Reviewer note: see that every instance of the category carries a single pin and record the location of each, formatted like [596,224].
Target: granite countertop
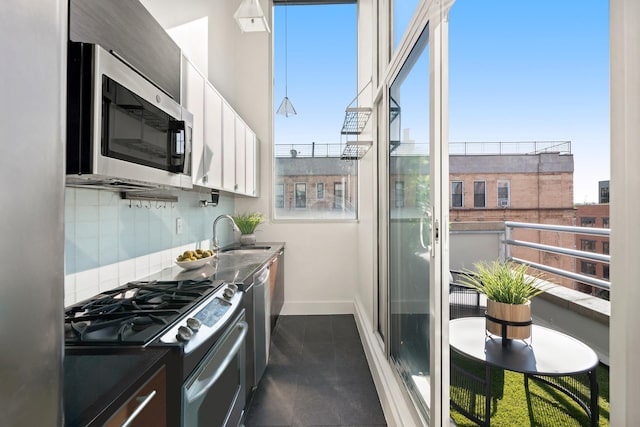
[227,266]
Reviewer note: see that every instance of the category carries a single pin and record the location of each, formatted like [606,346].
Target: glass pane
[402,12]
[307,146]
[409,251]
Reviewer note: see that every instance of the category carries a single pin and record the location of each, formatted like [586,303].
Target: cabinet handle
[144,401]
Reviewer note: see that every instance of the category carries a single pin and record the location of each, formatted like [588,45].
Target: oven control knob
[193,324]
[184,334]
[228,293]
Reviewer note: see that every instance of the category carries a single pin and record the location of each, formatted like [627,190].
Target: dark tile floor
[317,376]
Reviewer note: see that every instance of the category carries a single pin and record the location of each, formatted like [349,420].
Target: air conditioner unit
[503,203]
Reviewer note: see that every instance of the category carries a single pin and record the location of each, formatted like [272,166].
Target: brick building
[533,188]
[593,216]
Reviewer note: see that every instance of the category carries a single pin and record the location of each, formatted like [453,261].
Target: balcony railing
[579,254]
[504,148]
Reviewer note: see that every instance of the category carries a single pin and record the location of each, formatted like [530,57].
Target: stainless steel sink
[246,250]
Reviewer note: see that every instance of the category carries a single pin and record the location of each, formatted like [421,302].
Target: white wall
[625,233]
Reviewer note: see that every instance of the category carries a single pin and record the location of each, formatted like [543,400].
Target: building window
[605,271]
[588,221]
[338,195]
[605,222]
[587,267]
[457,194]
[320,191]
[479,194]
[301,194]
[588,245]
[605,248]
[504,193]
[604,194]
[279,195]
[399,194]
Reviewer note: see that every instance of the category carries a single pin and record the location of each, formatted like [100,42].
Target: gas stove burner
[135,312]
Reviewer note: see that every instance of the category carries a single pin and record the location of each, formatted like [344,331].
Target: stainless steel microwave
[123,132]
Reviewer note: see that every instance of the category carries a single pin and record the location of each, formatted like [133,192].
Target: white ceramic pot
[247,239]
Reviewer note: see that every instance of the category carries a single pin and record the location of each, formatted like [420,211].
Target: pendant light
[286,107]
[250,17]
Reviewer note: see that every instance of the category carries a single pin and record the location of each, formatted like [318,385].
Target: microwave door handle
[188,134]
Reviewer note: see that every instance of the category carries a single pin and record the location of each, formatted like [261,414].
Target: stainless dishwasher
[256,303]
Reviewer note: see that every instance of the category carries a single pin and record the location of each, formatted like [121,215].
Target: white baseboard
[396,405]
[293,308]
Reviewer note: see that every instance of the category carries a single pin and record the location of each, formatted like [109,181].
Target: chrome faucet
[216,245]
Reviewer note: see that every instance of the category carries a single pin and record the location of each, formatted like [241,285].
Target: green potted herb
[509,289]
[247,223]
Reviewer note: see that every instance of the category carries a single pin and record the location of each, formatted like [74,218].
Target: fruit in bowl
[194,259]
[194,255]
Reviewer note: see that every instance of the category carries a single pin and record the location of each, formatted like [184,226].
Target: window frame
[320,190]
[335,191]
[584,266]
[508,198]
[591,223]
[586,243]
[453,206]
[295,195]
[475,195]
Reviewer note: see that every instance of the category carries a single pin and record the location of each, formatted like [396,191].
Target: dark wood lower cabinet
[146,407]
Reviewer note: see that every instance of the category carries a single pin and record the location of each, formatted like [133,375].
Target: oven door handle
[197,390]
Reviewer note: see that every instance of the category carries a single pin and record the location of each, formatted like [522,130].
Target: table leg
[595,409]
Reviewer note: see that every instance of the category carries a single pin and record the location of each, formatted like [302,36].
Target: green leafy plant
[247,222]
[505,282]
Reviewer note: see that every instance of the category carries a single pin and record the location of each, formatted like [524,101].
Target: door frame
[434,14]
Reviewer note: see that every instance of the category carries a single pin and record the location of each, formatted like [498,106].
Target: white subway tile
[108,284]
[87,282]
[126,271]
[142,266]
[69,290]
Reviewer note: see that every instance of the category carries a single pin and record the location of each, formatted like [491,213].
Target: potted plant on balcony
[509,290]
[247,223]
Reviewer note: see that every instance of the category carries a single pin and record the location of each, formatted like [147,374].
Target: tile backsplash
[110,241]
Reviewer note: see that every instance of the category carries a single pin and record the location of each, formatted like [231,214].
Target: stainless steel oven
[121,127]
[202,324]
[214,395]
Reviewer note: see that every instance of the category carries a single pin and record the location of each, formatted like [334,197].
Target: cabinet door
[251,163]
[228,148]
[212,153]
[193,100]
[241,134]
[149,401]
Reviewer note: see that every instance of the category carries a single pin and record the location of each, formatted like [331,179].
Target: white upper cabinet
[241,132]
[228,148]
[212,153]
[224,147]
[251,171]
[193,100]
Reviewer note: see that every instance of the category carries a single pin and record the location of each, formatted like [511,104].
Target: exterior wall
[600,244]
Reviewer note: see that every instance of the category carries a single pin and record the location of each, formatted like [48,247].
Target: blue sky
[534,70]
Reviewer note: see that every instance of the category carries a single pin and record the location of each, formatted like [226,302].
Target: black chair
[464,301]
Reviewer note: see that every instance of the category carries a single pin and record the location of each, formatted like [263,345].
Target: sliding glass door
[410,223]
[413,313]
